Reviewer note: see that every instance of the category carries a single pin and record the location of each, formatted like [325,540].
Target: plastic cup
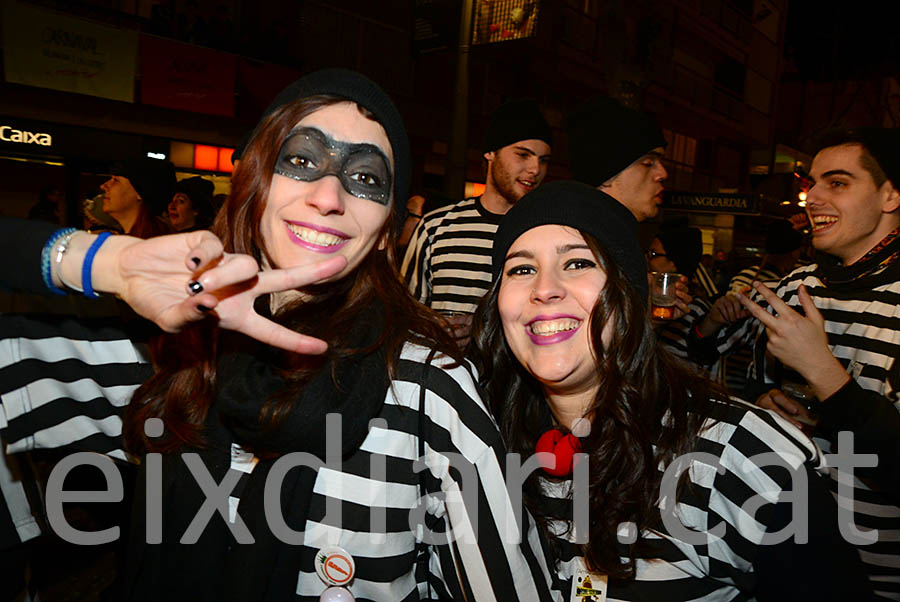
[662,294]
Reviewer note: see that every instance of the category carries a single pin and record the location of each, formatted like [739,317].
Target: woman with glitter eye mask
[322,355]
[364,171]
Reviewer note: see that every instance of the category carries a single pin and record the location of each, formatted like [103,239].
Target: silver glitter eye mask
[363,169]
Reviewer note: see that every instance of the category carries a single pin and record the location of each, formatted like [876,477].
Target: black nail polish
[195,287]
[203,308]
[195,261]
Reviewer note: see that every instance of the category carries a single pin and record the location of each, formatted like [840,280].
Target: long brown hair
[639,416]
[183,386]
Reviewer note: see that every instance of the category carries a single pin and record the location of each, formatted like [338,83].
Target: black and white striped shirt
[716,568]
[66,382]
[863,328]
[706,282]
[448,262]
[738,362]
[742,281]
[376,488]
[56,394]
[673,334]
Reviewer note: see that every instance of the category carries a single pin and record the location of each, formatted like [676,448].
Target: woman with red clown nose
[690,493]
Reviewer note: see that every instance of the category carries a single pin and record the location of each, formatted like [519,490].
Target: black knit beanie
[684,246]
[573,204]
[782,237]
[605,137]
[153,179]
[514,121]
[363,91]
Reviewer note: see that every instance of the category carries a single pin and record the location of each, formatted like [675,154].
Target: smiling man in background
[834,326]
[447,265]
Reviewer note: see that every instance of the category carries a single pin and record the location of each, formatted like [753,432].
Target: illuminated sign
[713,202]
[10,134]
[153,155]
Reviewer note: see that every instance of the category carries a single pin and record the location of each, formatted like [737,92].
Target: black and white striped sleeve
[496,550]
[66,384]
[416,263]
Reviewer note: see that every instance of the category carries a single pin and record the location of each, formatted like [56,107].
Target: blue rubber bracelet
[47,261]
[88,289]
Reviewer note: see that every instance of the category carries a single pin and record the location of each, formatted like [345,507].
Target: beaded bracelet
[61,247]
[86,284]
[46,253]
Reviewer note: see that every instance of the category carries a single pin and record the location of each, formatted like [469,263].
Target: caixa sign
[10,134]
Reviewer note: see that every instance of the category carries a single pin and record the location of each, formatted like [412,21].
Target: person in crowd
[315,202]
[566,354]
[192,205]
[414,212]
[783,248]
[93,217]
[137,193]
[722,269]
[446,264]
[627,166]
[416,207]
[835,330]
[678,249]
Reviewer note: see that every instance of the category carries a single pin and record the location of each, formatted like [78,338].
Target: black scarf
[217,567]
[869,271]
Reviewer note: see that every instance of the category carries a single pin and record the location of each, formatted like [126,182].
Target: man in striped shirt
[784,245]
[447,265]
[836,324]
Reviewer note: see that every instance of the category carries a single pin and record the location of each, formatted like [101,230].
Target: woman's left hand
[154,277]
[799,341]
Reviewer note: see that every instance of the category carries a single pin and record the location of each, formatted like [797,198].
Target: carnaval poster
[502,20]
[50,50]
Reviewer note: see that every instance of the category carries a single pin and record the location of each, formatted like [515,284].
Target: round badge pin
[335,566]
[336,594]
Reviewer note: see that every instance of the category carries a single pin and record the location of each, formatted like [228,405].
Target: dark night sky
[850,39]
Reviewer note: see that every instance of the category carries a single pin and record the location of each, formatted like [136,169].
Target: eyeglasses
[651,255]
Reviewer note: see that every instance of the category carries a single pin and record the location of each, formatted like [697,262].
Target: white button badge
[335,566]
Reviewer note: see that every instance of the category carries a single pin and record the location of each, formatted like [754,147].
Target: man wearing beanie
[840,334]
[447,265]
[618,150]
[137,193]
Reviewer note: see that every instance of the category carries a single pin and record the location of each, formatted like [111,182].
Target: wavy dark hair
[645,412]
[183,387]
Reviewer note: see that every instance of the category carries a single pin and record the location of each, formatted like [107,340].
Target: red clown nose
[563,446]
